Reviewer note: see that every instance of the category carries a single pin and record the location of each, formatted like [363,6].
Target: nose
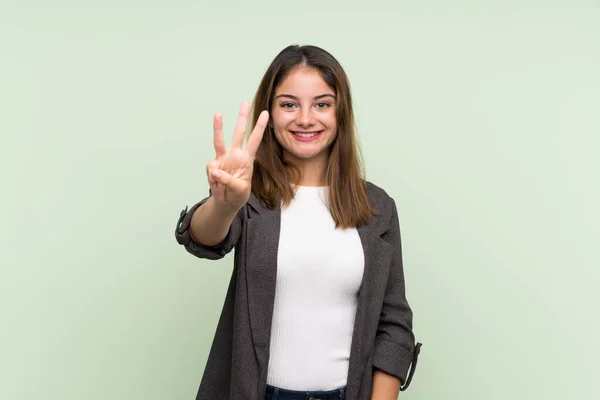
[305,117]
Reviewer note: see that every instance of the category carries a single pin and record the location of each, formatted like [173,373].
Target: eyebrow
[297,99]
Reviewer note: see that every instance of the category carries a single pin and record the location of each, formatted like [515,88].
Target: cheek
[280,129]
[280,120]
[332,122]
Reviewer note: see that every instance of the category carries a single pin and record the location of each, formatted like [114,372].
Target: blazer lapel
[378,257]
[263,226]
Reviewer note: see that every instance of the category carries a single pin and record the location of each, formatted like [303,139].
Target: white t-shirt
[319,272]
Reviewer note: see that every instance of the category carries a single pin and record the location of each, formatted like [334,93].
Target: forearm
[210,223]
[385,386]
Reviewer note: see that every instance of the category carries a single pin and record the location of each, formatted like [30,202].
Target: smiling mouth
[306,134]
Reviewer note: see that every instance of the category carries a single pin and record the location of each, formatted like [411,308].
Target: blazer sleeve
[395,350]
[184,235]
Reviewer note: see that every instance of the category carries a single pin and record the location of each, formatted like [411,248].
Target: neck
[312,171]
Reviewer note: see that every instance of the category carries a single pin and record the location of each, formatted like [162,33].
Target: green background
[481,120]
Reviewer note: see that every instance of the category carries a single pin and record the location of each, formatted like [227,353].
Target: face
[304,116]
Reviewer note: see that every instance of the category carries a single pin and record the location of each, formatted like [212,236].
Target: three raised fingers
[240,128]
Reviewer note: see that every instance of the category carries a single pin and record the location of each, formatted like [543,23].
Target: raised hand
[230,173]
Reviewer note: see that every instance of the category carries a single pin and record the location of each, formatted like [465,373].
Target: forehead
[303,81]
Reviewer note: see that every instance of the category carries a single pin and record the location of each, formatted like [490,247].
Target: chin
[304,155]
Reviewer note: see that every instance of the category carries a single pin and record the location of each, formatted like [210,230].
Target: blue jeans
[275,393]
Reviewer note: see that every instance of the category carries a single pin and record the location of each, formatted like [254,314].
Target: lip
[306,139]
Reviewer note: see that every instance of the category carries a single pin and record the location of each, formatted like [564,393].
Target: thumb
[225,179]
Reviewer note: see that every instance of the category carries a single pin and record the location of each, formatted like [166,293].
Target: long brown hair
[348,201]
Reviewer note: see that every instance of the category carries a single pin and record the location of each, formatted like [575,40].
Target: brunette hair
[348,201]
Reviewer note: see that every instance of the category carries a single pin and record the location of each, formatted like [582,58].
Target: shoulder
[380,199]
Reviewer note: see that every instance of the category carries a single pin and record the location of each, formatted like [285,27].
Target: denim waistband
[275,393]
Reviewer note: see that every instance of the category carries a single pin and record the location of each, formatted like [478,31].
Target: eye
[288,105]
[322,106]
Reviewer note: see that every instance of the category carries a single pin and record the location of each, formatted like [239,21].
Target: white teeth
[306,135]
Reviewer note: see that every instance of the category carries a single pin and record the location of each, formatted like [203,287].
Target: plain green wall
[481,120]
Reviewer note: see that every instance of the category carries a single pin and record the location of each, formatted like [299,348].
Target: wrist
[221,209]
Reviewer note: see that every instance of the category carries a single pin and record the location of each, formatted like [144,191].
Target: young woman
[316,306]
